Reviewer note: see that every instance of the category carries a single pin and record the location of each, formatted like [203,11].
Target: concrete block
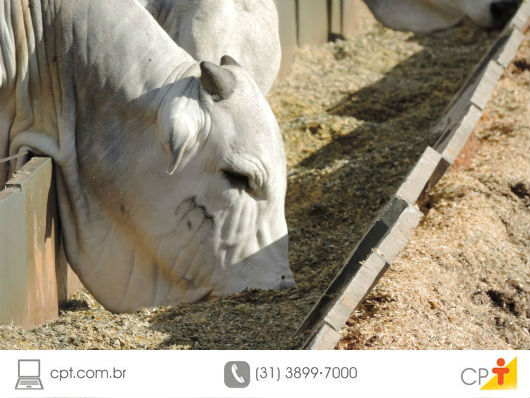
[360,285]
[338,315]
[448,124]
[326,339]
[408,221]
[416,181]
[520,19]
[392,211]
[398,236]
[392,244]
[488,81]
[508,51]
[461,134]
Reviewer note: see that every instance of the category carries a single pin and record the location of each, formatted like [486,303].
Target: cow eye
[238,180]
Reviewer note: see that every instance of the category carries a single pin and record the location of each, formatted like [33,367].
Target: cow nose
[286,283]
[501,11]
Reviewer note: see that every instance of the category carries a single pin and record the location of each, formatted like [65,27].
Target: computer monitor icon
[29,375]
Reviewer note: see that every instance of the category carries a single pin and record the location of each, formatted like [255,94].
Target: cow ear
[176,146]
[228,60]
[217,81]
[178,131]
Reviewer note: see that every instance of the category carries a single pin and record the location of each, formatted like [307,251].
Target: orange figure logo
[500,371]
[505,377]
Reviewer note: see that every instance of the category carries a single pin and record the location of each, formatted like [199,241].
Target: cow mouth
[226,253]
[502,11]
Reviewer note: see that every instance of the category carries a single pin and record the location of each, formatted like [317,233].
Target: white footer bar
[264,374]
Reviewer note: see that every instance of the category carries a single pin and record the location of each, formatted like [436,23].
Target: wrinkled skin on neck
[115,114]
[428,16]
[247,30]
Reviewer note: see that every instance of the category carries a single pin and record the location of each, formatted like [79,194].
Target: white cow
[102,89]
[427,16]
[247,30]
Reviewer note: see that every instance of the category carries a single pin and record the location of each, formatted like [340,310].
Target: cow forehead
[242,142]
[253,135]
[245,119]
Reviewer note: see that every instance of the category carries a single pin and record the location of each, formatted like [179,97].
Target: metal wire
[19,155]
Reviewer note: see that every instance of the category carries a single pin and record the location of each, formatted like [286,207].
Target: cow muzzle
[502,11]
[268,268]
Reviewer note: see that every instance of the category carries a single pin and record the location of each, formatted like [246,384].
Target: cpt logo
[504,377]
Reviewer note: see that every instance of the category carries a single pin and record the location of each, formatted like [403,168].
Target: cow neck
[31,84]
[77,76]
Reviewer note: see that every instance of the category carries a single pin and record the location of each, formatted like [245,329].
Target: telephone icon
[237,374]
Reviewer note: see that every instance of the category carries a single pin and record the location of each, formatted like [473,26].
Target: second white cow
[428,16]
[247,30]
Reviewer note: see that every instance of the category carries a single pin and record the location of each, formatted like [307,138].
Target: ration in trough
[461,282]
[354,116]
[375,252]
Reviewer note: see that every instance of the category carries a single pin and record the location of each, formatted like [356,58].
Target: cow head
[491,13]
[228,175]
[427,16]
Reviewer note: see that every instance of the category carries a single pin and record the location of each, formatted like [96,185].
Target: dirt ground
[355,116]
[463,280]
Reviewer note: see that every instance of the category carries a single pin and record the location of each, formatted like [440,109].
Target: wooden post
[353,12]
[312,22]
[289,43]
[32,282]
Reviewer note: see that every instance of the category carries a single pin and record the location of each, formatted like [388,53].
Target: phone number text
[273,373]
